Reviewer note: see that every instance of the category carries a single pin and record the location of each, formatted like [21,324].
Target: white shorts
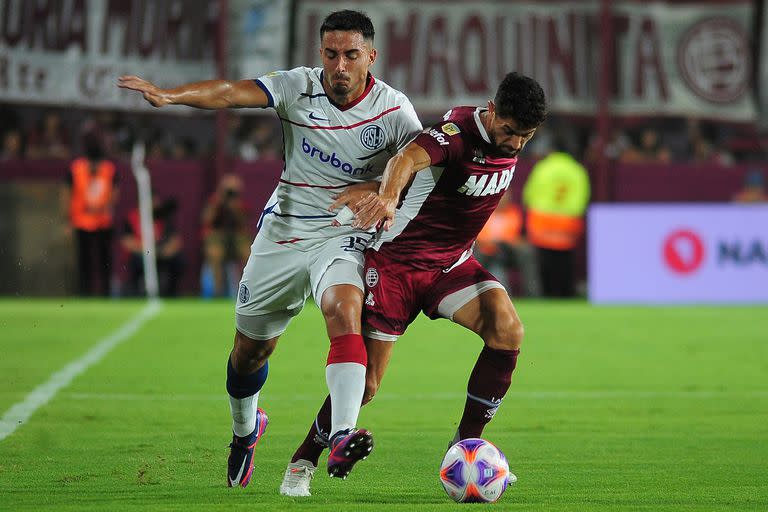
[278,278]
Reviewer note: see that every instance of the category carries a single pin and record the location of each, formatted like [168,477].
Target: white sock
[243,414]
[346,382]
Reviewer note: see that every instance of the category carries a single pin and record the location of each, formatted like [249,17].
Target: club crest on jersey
[371,277]
[372,136]
[244,294]
[481,185]
[450,129]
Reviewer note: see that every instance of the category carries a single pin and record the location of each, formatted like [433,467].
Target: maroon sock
[488,384]
[317,437]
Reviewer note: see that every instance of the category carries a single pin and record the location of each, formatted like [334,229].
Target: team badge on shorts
[371,277]
[243,294]
[372,136]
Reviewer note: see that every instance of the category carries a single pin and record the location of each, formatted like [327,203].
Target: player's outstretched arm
[209,94]
[380,208]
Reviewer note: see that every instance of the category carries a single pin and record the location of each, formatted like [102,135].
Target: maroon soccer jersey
[448,204]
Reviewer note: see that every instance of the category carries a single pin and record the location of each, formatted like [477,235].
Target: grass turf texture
[612,408]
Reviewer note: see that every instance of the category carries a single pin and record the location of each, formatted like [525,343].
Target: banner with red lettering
[72,51]
[671,58]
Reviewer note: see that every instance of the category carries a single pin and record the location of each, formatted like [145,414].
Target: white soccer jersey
[327,148]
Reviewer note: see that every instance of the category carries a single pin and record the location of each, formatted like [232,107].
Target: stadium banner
[259,37]
[687,58]
[677,253]
[72,51]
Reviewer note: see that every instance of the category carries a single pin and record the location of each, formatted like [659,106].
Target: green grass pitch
[611,408]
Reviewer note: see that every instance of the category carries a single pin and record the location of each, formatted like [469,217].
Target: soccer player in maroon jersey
[422,258]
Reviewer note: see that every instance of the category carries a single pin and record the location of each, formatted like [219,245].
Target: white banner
[72,51]
[677,253]
[690,58]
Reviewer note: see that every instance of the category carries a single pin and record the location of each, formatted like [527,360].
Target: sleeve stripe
[266,91]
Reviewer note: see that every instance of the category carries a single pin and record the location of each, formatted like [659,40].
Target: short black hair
[521,98]
[348,21]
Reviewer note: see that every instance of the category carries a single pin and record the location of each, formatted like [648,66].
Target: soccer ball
[475,471]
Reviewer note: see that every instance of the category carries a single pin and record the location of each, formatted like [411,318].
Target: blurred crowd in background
[53,133]
[509,245]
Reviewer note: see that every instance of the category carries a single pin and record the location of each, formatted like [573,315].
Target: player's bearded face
[507,138]
[347,56]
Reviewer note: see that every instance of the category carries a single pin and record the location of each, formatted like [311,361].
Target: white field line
[20,412]
[530,395]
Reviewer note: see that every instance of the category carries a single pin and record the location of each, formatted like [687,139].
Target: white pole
[144,188]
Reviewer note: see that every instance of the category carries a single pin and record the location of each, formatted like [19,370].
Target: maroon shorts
[396,291]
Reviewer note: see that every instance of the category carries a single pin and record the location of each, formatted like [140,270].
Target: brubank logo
[333,160]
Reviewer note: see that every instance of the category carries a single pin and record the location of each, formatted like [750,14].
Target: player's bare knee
[505,332]
[344,314]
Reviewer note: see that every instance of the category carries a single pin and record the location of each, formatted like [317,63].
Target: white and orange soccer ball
[475,471]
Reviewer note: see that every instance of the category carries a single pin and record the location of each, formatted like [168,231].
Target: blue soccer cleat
[347,448]
[240,462]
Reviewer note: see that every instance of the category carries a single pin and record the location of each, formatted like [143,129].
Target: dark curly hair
[346,20]
[521,98]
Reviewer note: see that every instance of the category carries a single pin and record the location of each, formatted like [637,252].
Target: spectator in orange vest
[89,200]
[500,247]
[168,244]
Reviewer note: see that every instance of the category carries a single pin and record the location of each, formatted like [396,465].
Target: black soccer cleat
[240,462]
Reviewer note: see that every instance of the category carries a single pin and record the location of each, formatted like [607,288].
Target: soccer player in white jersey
[340,127]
